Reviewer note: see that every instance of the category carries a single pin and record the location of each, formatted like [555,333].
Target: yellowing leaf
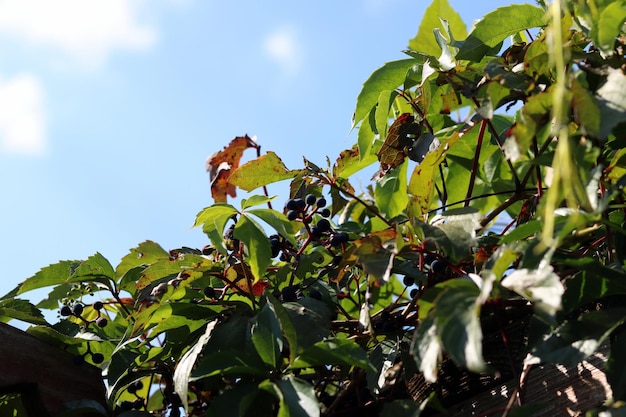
[221,164]
[266,169]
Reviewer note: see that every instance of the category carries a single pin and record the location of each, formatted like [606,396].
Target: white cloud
[22,116]
[282,46]
[86,30]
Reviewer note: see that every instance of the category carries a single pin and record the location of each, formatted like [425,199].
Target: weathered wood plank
[28,361]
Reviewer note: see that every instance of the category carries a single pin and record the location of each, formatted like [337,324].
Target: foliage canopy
[499,193]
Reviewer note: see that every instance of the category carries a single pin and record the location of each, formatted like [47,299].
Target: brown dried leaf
[399,140]
[221,164]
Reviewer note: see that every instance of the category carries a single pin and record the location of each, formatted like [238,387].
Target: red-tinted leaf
[221,164]
[398,141]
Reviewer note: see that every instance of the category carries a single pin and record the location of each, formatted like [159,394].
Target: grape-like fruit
[300,204]
[78,308]
[101,322]
[310,199]
[292,215]
[126,405]
[98,305]
[437,266]
[97,357]
[321,202]
[66,311]
[339,238]
[323,225]
[209,292]
[291,205]
[413,293]
[316,232]
[289,294]
[408,280]
[325,212]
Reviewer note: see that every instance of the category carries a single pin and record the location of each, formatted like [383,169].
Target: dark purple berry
[138,385]
[323,225]
[209,292]
[98,305]
[310,199]
[289,294]
[413,293]
[316,232]
[300,204]
[408,280]
[97,357]
[101,322]
[437,266]
[126,405]
[66,311]
[78,308]
[292,215]
[321,202]
[138,403]
[325,212]
[131,388]
[291,205]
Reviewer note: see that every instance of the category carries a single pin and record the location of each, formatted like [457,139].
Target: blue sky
[109,108]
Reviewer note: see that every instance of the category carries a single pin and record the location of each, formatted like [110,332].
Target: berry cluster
[96,357]
[77,311]
[304,210]
[138,403]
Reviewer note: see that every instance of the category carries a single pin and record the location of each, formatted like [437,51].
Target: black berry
[437,266]
[126,405]
[289,294]
[101,322]
[78,308]
[316,232]
[310,199]
[292,215]
[325,212]
[300,204]
[97,357]
[66,311]
[408,280]
[291,205]
[323,225]
[413,293]
[321,202]
[98,305]
[339,238]
[209,292]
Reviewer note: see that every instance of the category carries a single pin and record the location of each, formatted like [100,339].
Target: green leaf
[390,192]
[311,320]
[612,101]
[248,231]
[146,253]
[278,221]
[255,200]
[616,367]
[366,135]
[427,348]
[266,169]
[457,320]
[496,26]
[388,77]
[20,310]
[381,115]
[213,220]
[425,40]
[183,370]
[541,286]
[575,340]
[267,336]
[586,110]
[609,26]
[228,363]
[333,351]
[54,274]
[593,282]
[299,397]
[287,326]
